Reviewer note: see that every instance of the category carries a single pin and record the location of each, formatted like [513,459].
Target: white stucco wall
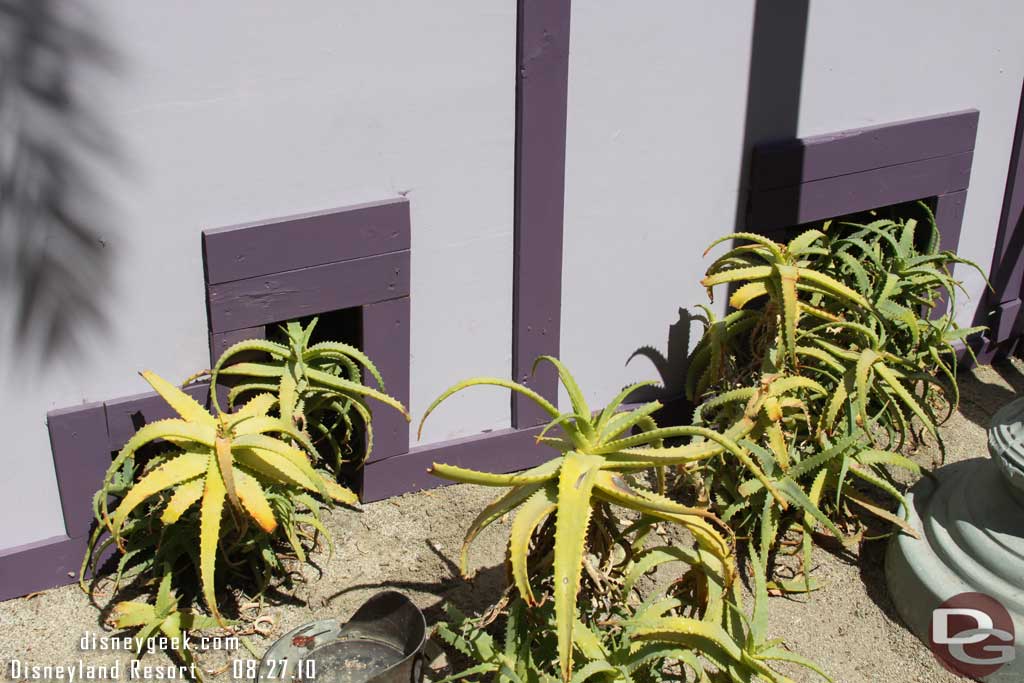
[657,104]
[230,112]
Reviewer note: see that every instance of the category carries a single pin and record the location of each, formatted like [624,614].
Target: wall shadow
[774,80]
[54,260]
[773,99]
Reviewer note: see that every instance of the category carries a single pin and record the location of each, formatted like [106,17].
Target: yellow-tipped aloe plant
[779,272]
[597,454]
[849,306]
[224,462]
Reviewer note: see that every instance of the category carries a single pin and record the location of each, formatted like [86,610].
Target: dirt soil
[412,543]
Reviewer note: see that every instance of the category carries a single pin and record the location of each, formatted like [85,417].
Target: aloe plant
[226,462]
[849,306]
[596,458]
[318,386]
[664,637]
[163,616]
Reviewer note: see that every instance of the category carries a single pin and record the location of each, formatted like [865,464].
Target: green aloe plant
[163,616]
[318,386]
[664,637]
[851,307]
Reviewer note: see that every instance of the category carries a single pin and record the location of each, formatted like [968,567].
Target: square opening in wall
[896,212]
[344,325]
[338,438]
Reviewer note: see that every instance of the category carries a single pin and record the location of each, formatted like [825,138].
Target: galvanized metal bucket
[381,643]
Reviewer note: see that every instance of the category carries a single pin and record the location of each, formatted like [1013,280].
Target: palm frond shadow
[54,259]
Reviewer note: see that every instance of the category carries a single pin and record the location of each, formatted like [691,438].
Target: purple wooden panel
[949,217]
[792,162]
[81,455]
[820,199]
[40,565]
[272,246]
[1007,273]
[386,341]
[542,76]
[506,450]
[126,415]
[307,291]
[220,341]
[1006,322]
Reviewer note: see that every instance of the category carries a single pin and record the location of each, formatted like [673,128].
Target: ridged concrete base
[971,521]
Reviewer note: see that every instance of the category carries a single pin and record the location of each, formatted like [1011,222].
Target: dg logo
[972,634]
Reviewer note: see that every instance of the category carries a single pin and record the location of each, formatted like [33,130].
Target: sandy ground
[411,544]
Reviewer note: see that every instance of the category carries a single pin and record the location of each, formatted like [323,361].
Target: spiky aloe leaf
[252,498]
[211,510]
[545,405]
[490,514]
[575,482]
[339,493]
[747,293]
[349,387]
[536,475]
[263,443]
[531,513]
[788,277]
[185,496]
[183,404]
[176,471]
[129,613]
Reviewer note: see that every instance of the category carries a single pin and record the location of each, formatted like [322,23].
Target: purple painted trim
[311,239]
[949,218]
[308,291]
[221,341]
[79,443]
[127,415]
[1006,322]
[499,451]
[386,340]
[542,79]
[829,197]
[349,260]
[793,162]
[43,564]
[1007,271]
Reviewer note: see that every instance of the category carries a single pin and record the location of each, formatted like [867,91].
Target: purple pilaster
[542,79]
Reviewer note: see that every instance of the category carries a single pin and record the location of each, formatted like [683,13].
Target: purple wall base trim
[81,439]
[1006,322]
[505,450]
[81,454]
[37,566]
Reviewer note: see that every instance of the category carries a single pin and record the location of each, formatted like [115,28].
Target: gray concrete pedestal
[971,522]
